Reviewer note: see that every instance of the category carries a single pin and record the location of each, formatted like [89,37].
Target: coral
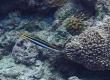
[73,25]
[106,4]
[91,48]
[99,10]
[41,70]
[103,6]
[72,9]
[24,52]
[55,3]
[64,11]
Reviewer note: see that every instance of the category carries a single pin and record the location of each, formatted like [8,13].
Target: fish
[41,42]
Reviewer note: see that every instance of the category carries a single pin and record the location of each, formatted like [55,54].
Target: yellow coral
[73,25]
[55,3]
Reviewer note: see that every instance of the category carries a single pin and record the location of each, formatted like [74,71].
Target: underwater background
[54,39]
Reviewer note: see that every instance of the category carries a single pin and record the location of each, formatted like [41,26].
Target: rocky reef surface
[81,28]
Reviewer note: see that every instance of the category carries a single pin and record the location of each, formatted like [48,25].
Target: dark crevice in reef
[69,68]
[88,5]
[25,7]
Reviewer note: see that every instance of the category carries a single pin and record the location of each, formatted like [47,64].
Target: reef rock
[25,6]
[55,3]
[64,11]
[106,4]
[88,4]
[24,52]
[74,78]
[8,39]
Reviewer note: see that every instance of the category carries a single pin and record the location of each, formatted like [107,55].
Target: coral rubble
[24,52]
[39,71]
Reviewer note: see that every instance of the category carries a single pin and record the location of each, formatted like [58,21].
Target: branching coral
[73,25]
[92,47]
[55,3]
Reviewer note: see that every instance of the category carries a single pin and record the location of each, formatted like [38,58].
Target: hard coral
[92,48]
[73,25]
[55,3]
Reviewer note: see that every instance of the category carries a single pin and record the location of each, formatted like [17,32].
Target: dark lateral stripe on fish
[40,42]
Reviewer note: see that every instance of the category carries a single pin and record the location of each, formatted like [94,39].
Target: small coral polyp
[55,3]
[73,25]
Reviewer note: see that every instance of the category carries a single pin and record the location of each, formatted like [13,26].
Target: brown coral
[92,48]
[73,25]
[55,3]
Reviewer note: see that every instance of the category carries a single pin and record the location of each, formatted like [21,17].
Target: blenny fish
[41,42]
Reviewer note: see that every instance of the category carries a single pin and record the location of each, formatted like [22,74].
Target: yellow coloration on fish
[41,42]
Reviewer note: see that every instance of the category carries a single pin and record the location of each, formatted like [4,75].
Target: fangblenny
[41,42]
